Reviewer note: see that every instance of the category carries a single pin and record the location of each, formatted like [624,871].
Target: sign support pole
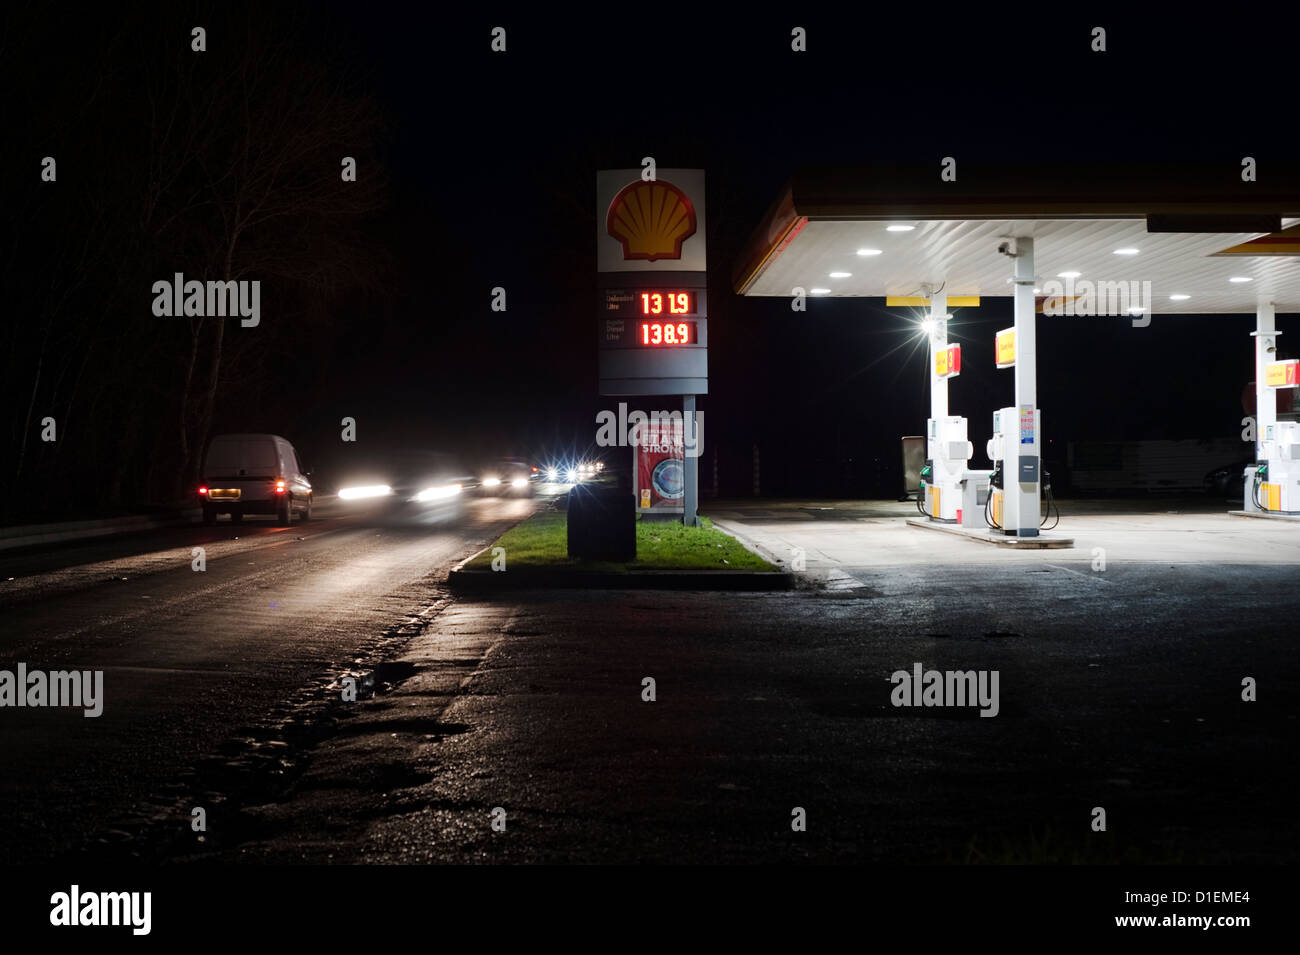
[690,461]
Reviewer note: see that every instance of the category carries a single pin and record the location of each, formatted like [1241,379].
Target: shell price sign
[1282,374]
[652,298]
[1004,348]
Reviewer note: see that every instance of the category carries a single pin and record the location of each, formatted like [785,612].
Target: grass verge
[541,542]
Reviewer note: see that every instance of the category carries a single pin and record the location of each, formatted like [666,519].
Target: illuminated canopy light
[840,275]
[1240,278]
[927,325]
[1179,297]
[1126,251]
[820,291]
[1068,275]
[372,490]
[866,252]
[899,228]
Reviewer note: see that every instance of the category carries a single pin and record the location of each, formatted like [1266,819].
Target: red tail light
[279,487]
[203,490]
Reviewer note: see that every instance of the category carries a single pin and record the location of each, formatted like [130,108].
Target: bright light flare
[370,490]
[927,325]
[491,482]
[438,493]
[519,482]
[552,474]
[571,475]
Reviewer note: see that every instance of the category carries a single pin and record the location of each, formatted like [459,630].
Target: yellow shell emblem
[651,220]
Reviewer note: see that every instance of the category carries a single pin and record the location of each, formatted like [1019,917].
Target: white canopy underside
[962,256]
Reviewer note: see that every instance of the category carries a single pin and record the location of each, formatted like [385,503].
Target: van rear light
[279,487]
[203,490]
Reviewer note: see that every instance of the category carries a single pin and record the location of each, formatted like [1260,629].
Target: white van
[253,474]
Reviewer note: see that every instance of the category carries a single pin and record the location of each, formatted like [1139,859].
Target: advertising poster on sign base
[659,467]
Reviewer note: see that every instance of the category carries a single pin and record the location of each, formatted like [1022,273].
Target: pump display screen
[666,303]
[667,333]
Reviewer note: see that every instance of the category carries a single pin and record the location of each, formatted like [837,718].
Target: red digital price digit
[667,333]
[652,303]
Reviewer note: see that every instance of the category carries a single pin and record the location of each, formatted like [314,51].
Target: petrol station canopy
[1189,230]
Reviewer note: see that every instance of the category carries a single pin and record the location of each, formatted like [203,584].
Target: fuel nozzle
[995,478]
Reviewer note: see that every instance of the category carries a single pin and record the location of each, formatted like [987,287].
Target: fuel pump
[1015,460]
[947,452]
[1273,481]
[1273,485]
[997,450]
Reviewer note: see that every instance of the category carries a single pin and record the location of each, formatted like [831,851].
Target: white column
[1265,398]
[938,342]
[1022,505]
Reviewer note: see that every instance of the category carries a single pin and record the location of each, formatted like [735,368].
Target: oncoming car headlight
[371,490]
[438,493]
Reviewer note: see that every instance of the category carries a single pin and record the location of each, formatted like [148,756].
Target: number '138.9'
[655,333]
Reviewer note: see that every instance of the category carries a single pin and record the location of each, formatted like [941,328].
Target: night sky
[485,166]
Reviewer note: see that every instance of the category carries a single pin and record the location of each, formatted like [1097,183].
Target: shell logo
[651,220]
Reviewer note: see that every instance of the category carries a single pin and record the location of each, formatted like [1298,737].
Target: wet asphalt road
[191,657]
[1120,691]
